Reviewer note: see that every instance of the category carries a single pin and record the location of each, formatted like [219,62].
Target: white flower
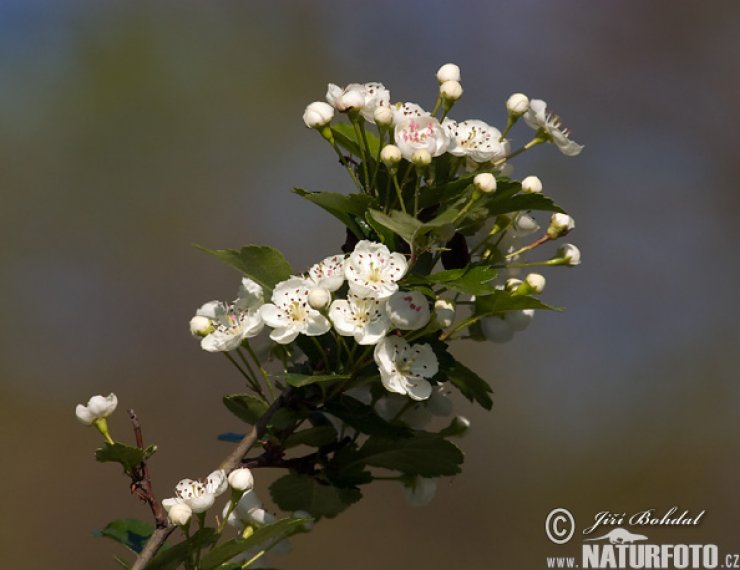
[485,182]
[390,155]
[98,407]
[531,185]
[444,312]
[517,104]
[448,72]
[421,491]
[241,479]
[363,318]
[421,133]
[560,225]
[408,310]
[475,139]
[372,270]
[328,273]
[519,320]
[376,97]
[450,90]
[536,282]
[248,503]
[261,516]
[538,118]
[350,98]
[403,111]
[496,329]
[570,253]
[319,298]
[180,514]
[405,368]
[318,114]
[289,314]
[198,495]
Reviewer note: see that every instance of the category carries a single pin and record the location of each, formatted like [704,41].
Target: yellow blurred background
[130,130]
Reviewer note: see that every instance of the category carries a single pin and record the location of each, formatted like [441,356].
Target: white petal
[251,294]
[201,504]
[417,388]
[220,341]
[373,332]
[247,503]
[316,324]
[393,382]
[84,415]
[169,503]
[273,316]
[284,335]
[425,361]
[216,482]
[214,310]
[385,352]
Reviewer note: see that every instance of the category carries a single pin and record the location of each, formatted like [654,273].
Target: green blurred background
[130,130]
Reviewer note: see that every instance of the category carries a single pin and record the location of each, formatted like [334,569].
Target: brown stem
[141,483]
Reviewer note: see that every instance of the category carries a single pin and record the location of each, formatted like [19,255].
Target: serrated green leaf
[425,455]
[362,417]
[171,558]
[387,236]
[344,470]
[342,206]
[473,280]
[299,380]
[507,202]
[303,493]
[472,386]
[132,533]
[128,457]
[246,407]
[261,263]
[403,225]
[318,436]
[501,301]
[264,538]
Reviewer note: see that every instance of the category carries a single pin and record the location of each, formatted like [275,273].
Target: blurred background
[131,130]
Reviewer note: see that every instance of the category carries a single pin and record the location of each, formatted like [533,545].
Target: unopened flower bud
[421,492]
[319,298]
[421,157]
[536,282]
[560,225]
[496,329]
[517,104]
[524,224]
[200,326]
[318,114]
[519,320]
[531,185]
[444,312]
[180,514]
[485,182]
[383,116]
[451,90]
[448,72]
[513,284]
[241,479]
[390,155]
[570,253]
[97,408]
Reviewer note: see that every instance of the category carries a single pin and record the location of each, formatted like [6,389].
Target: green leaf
[363,418]
[302,492]
[132,533]
[386,236]
[507,202]
[246,407]
[473,280]
[264,538]
[425,455]
[343,207]
[344,135]
[318,436]
[472,386]
[171,558]
[402,224]
[501,301]
[128,457]
[262,263]
[344,469]
[299,380]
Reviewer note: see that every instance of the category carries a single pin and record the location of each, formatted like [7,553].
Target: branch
[141,483]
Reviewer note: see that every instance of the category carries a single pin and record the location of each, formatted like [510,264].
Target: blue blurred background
[130,130]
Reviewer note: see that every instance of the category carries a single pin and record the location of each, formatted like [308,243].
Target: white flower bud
[448,72]
[408,310]
[444,312]
[570,253]
[519,320]
[318,114]
[536,282]
[421,157]
[517,104]
[261,516]
[97,407]
[319,298]
[451,90]
[390,155]
[513,284]
[180,514]
[560,225]
[496,329]
[200,326]
[459,427]
[485,182]
[241,479]
[383,116]
[524,224]
[531,185]
[421,492]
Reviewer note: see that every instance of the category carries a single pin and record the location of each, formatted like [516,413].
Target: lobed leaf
[295,492]
[261,263]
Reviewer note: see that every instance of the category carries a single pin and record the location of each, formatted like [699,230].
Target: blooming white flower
[496,329]
[376,97]
[289,314]
[421,491]
[485,182]
[403,111]
[372,270]
[180,514]
[390,155]
[241,479]
[319,298]
[97,408]
[405,368]
[536,282]
[408,310]
[348,98]
[444,312]
[363,318]
[198,495]
[519,320]
[450,90]
[318,114]
[517,104]
[420,133]
[560,225]
[538,119]
[476,140]
[448,72]
[328,273]
[531,185]
[570,253]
